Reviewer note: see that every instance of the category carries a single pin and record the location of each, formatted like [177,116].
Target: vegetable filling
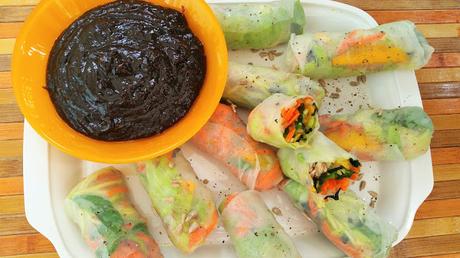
[299,120]
[333,177]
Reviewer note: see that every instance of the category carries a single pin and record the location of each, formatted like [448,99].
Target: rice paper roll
[379,134]
[252,228]
[249,85]
[324,165]
[284,121]
[185,206]
[260,25]
[109,223]
[391,46]
[347,222]
[225,138]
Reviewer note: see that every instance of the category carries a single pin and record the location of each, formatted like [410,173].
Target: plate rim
[38,203]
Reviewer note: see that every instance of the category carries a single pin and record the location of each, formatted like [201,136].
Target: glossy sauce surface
[125,70]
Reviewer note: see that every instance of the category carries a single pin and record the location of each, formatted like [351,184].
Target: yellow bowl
[49,19]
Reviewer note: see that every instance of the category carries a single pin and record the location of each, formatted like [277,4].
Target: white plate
[402,186]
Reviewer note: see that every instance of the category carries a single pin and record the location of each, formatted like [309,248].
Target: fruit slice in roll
[391,46]
[381,134]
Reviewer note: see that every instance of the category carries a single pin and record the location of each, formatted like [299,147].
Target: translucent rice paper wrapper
[260,25]
[225,138]
[223,183]
[249,85]
[253,229]
[347,222]
[108,221]
[265,122]
[390,46]
[297,163]
[379,135]
[185,205]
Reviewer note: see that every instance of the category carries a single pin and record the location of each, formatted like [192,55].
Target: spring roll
[324,165]
[249,85]
[185,206]
[108,222]
[225,138]
[379,135]
[260,25]
[284,121]
[252,228]
[391,46]
[347,222]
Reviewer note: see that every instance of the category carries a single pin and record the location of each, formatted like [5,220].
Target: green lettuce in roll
[249,85]
[347,222]
[391,46]
[260,25]
[254,231]
[381,134]
[284,121]
[185,206]
[324,165]
[108,222]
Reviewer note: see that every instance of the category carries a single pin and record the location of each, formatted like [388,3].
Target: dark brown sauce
[125,70]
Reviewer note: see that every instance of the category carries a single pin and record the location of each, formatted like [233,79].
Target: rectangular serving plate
[402,186]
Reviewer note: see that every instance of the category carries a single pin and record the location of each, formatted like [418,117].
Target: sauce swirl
[125,70]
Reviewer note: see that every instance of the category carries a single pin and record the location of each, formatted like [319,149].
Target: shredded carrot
[293,118]
[352,41]
[228,200]
[108,175]
[289,114]
[116,190]
[333,185]
[284,111]
[290,134]
[354,176]
[349,249]
[344,183]
[199,235]
[196,237]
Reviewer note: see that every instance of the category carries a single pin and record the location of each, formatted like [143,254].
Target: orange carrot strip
[199,235]
[108,176]
[289,113]
[334,238]
[116,190]
[344,184]
[221,145]
[271,176]
[293,118]
[352,41]
[290,134]
[354,176]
